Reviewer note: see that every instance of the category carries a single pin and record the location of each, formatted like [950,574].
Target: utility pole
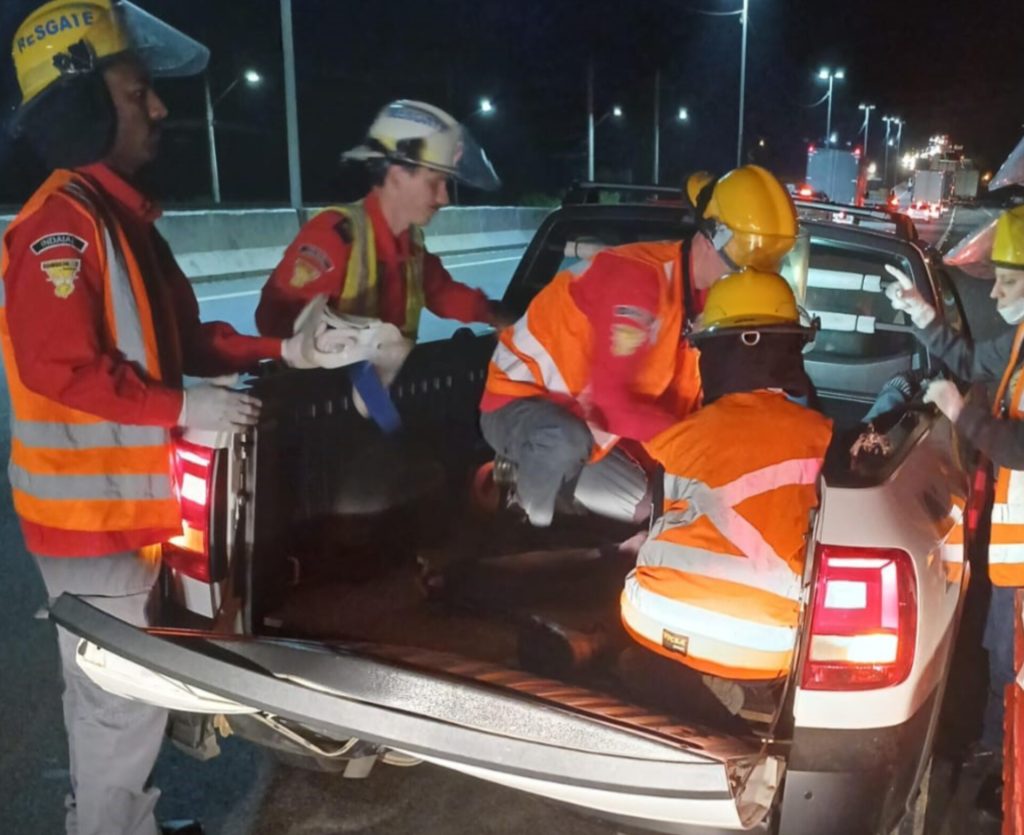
[291,110]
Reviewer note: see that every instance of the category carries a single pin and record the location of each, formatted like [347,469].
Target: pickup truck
[296,605]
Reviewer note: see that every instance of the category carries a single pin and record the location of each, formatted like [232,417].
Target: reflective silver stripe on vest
[775,577]
[695,622]
[718,503]
[85,435]
[527,344]
[91,487]
[127,321]
[512,366]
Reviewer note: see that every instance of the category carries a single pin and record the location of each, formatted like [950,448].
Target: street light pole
[211,137]
[291,108]
[825,74]
[885,169]
[899,136]
[867,108]
[657,125]
[590,120]
[743,84]
[252,78]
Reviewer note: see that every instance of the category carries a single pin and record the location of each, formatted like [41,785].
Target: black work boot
[989,799]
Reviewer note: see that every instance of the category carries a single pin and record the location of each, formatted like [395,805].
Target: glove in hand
[946,396]
[903,295]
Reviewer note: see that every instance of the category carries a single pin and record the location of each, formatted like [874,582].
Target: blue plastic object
[378,402]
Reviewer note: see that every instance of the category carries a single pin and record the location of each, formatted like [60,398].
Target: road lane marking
[942,240]
[242,293]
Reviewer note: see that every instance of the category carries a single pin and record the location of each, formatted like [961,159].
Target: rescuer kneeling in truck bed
[717,584]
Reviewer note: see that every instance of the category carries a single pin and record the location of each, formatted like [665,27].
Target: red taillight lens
[806,192]
[193,476]
[864,621]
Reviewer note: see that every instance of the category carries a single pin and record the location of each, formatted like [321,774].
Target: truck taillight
[864,620]
[193,475]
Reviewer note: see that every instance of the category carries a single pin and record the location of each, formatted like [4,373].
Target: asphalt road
[245,790]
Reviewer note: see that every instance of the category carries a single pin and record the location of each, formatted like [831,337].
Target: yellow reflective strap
[415,299]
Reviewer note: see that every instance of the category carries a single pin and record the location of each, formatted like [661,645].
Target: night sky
[957,71]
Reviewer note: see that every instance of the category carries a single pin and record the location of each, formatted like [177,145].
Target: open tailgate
[559,741]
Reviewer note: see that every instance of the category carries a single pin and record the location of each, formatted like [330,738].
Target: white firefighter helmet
[416,133]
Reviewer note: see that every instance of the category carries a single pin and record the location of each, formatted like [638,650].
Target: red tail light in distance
[864,619]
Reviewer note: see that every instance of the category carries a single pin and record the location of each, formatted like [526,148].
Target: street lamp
[616,112]
[683,115]
[486,105]
[867,108]
[253,79]
[825,74]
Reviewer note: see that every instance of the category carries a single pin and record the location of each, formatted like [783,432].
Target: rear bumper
[853,782]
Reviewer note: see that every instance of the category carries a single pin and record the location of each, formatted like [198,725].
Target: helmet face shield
[165,52]
[796,264]
[416,133]
[758,251]
[455,153]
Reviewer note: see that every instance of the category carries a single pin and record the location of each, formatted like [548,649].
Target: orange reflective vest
[547,353]
[359,293]
[70,470]
[718,584]
[1006,546]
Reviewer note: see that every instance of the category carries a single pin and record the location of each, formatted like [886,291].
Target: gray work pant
[548,445]
[112,742]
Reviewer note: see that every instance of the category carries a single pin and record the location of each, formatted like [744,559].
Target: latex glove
[946,396]
[302,349]
[347,339]
[218,408]
[903,295]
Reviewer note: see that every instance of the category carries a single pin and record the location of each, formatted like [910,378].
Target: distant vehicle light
[806,191]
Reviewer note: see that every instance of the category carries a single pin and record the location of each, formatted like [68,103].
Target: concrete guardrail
[223,244]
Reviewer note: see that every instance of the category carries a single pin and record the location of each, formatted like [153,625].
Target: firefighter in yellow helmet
[99,327]
[717,584]
[600,353]
[997,429]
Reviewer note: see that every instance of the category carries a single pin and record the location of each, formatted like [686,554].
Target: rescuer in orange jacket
[600,353]
[98,327]
[369,257]
[997,430]
[718,583]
